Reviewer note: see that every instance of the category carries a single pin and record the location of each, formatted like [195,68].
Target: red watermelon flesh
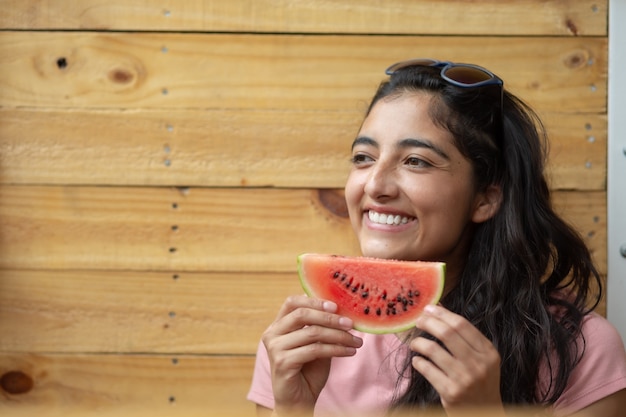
[379,295]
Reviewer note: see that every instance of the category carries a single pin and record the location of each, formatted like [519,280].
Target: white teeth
[388,219]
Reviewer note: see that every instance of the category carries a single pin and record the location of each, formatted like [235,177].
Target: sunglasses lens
[467,75]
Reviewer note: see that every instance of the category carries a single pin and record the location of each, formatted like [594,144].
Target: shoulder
[594,325]
[601,370]
[600,342]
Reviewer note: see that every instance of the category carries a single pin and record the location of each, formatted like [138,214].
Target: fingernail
[345,322]
[430,309]
[329,306]
[358,342]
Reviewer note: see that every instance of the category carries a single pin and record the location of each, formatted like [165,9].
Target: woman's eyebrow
[404,143]
[364,140]
[422,143]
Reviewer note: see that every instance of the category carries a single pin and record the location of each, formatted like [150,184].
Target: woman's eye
[417,162]
[359,159]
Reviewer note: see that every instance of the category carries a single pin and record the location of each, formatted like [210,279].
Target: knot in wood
[571,27]
[16,382]
[121,76]
[333,201]
[577,59]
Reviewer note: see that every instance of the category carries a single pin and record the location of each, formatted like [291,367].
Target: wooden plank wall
[163,163]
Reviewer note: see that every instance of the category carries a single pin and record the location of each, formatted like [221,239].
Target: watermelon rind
[392,324]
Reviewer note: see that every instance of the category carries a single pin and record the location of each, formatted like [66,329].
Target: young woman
[448,166]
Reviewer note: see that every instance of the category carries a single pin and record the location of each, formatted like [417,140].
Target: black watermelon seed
[410,294]
[384,296]
[367,310]
[378,312]
[336,274]
[343,277]
[417,293]
[354,289]
[391,304]
[364,294]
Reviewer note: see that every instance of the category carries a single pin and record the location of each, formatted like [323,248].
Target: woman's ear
[487,204]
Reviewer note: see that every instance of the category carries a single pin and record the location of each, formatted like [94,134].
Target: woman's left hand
[467,374]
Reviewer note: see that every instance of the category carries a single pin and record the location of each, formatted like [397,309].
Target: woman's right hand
[300,343]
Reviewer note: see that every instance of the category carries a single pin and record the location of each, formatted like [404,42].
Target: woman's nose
[381,182]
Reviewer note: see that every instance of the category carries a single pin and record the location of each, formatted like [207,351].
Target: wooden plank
[120,311]
[295,72]
[168,228]
[125,385]
[493,17]
[223,147]
[217,229]
[135,312]
[183,147]
[586,212]
[577,151]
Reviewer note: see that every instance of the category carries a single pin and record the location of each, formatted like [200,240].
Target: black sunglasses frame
[489,78]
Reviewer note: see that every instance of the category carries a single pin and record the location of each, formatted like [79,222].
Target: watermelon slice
[379,295]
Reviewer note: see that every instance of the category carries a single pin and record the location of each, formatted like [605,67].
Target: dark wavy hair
[529,279]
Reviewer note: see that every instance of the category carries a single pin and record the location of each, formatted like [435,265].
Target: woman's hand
[300,343]
[466,373]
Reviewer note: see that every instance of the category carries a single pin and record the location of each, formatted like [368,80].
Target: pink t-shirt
[365,383]
[601,371]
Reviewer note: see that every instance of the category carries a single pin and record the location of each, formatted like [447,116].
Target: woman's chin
[383,252]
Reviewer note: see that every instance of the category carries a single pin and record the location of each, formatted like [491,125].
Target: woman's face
[410,193]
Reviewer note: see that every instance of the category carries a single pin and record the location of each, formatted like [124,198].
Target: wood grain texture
[233,148]
[179,147]
[135,312]
[123,228]
[528,17]
[576,151]
[174,229]
[127,385]
[295,72]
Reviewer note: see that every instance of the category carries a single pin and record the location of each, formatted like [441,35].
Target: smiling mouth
[388,219]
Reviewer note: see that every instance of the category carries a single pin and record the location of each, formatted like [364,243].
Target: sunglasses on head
[460,75]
